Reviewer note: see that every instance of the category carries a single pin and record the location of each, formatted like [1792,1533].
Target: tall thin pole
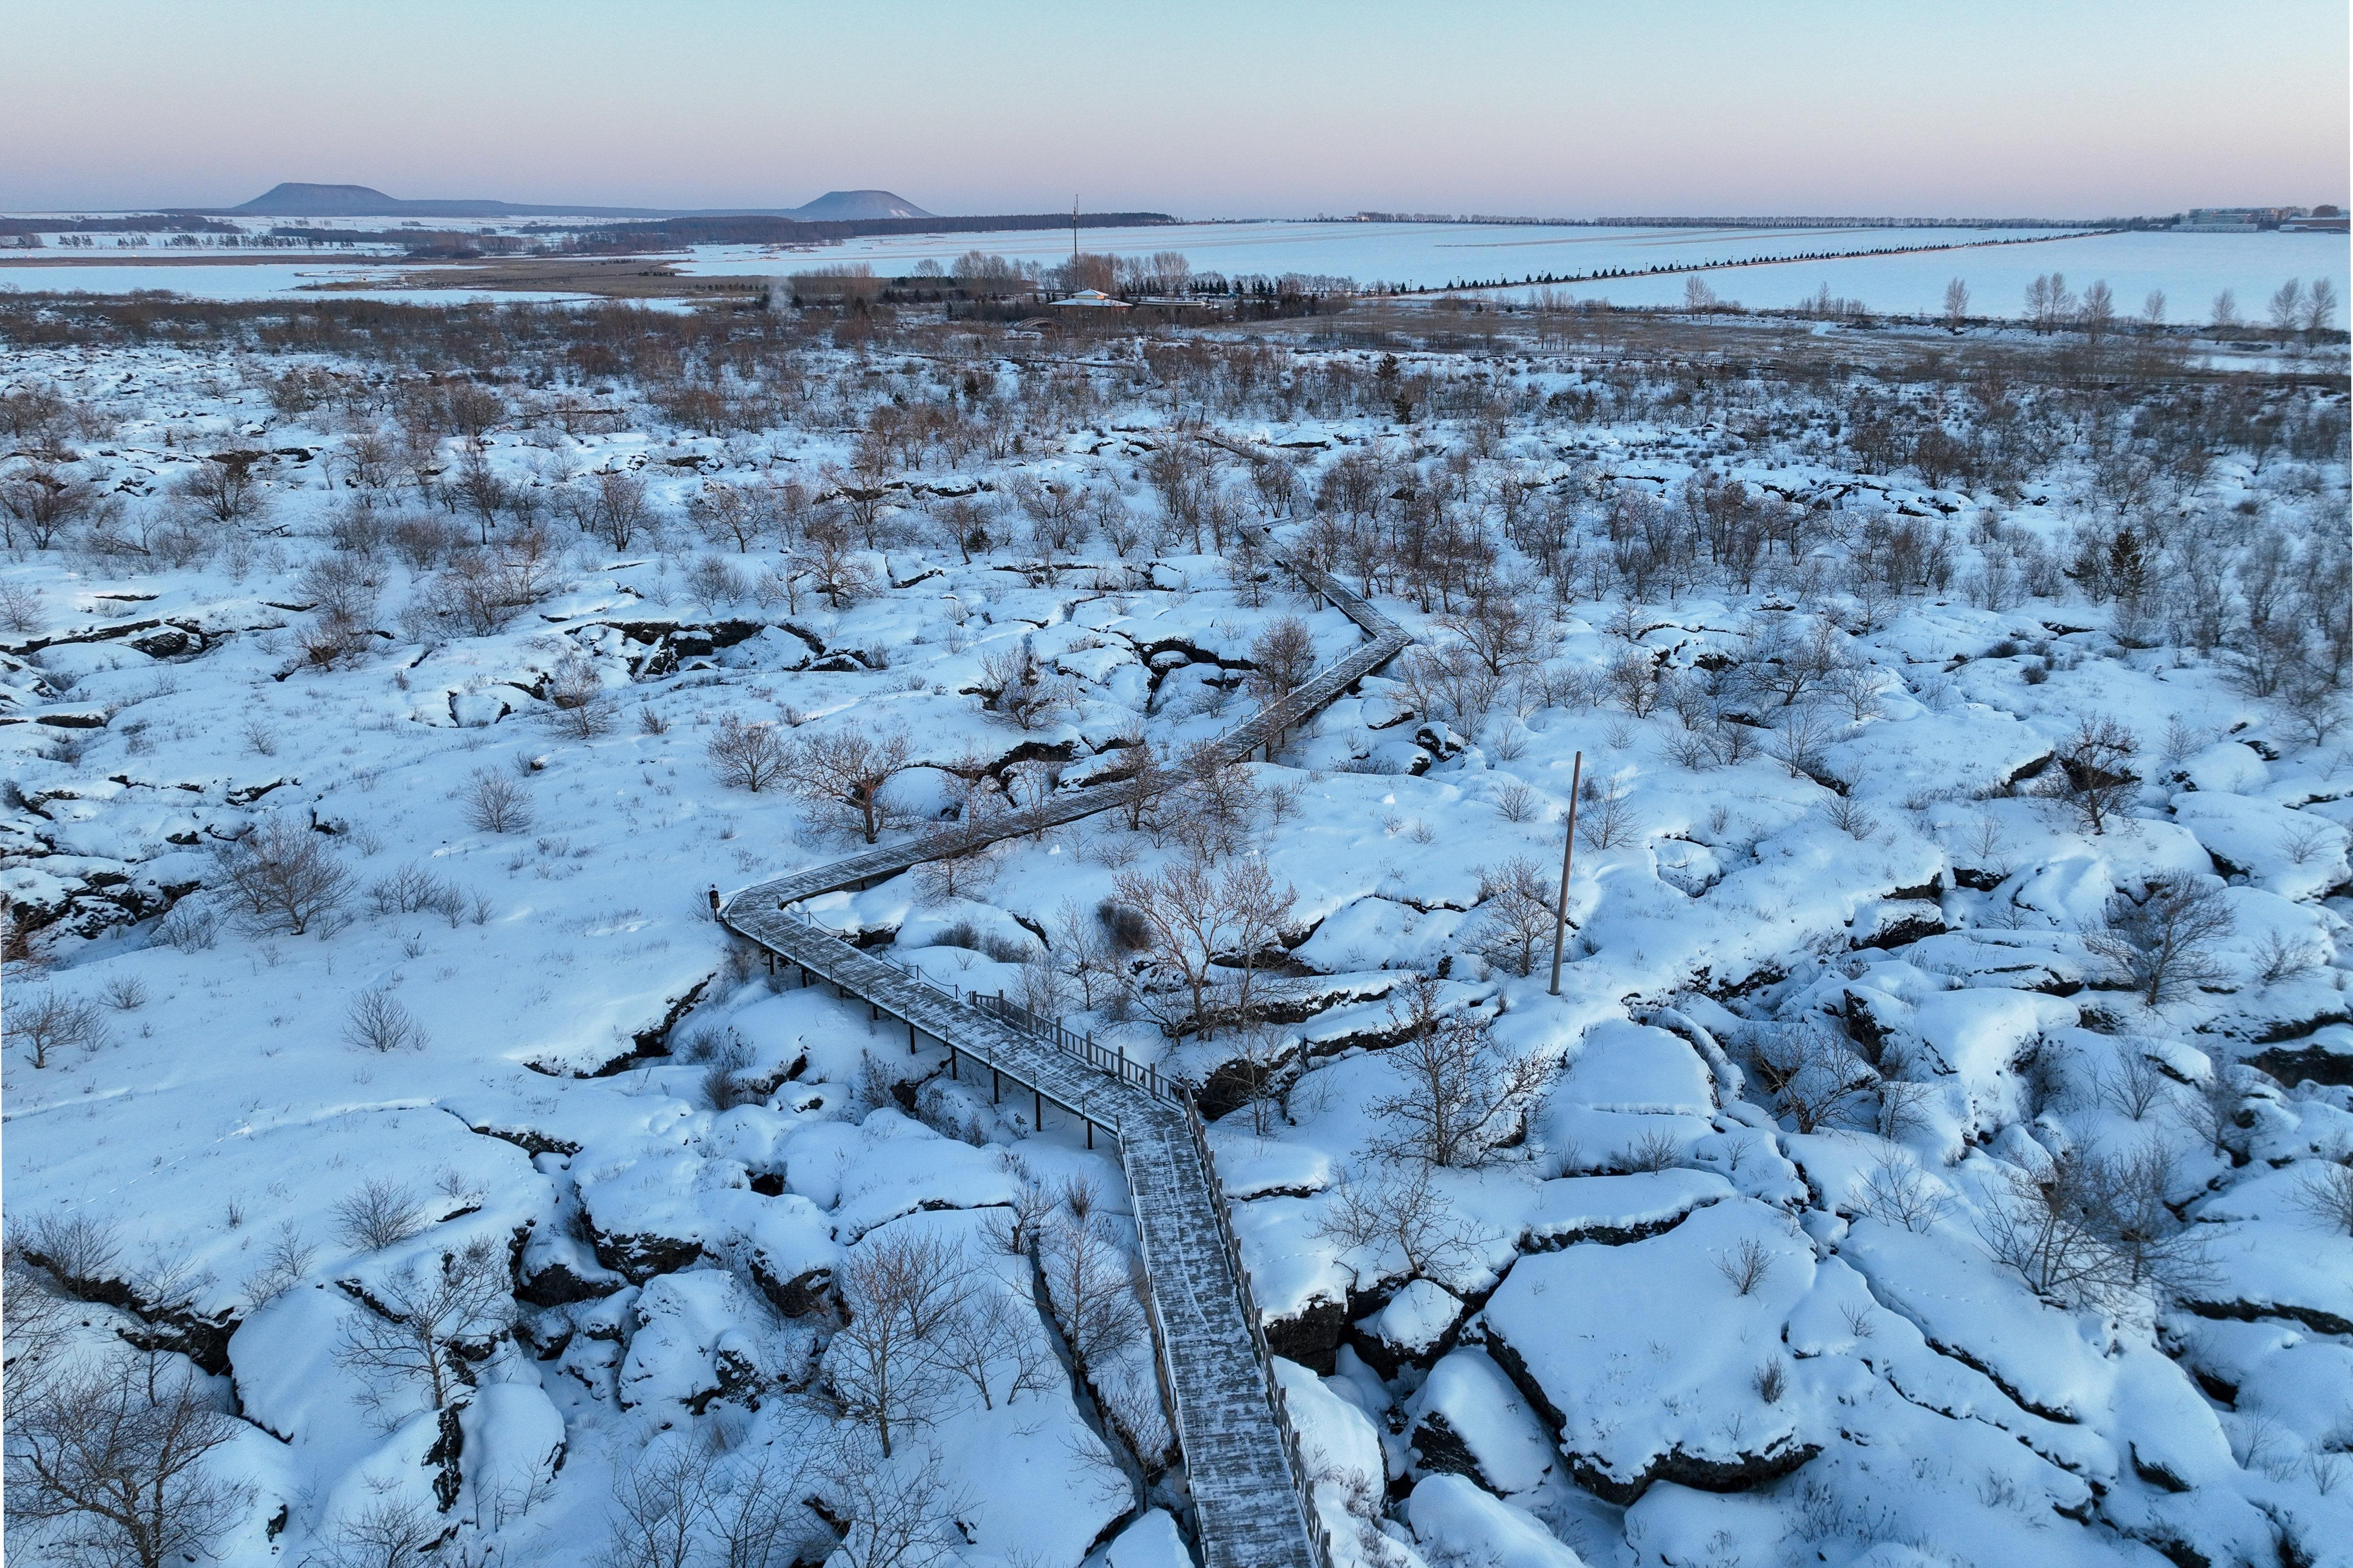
[1075,230]
[1567,850]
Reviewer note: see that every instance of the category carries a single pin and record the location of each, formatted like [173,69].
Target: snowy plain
[1732,1280]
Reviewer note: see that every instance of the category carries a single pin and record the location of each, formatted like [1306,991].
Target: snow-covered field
[1940,1149]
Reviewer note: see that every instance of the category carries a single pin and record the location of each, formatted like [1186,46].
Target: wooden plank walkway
[1252,1498]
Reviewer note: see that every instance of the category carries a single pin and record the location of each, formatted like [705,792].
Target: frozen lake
[2191,269]
[258,280]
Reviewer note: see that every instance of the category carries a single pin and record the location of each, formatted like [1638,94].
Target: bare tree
[1460,1098]
[1093,1281]
[896,1513]
[2287,307]
[2045,1226]
[1021,690]
[992,1342]
[423,1328]
[1809,1070]
[847,768]
[43,500]
[882,1369]
[1401,1208]
[1956,304]
[285,876]
[834,567]
[2095,776]
[221,489]
[745,756]
[660,1503]
[618,509]
[115,1459]
[1191,916]
[1515,913]
[1282,657]
[390,1532]
[2319,307]
[2163,940]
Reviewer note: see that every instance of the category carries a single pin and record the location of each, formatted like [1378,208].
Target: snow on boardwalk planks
[1252,1498]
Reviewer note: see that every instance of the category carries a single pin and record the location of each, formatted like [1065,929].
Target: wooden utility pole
[1567,850]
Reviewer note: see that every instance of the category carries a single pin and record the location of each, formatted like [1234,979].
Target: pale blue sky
[1206,108]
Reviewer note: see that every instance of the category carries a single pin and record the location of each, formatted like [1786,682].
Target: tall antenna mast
[1074,229]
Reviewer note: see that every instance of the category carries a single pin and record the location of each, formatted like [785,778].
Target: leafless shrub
[46,1023]
[1847,814]
[1903,1108]
[2326,1194]
[1654,1151]
[723,1080]
[381,1213]
[1772,1379]
[1605,820]
[1800,740]
[1811,1072]
[745,756]
[2095,776]
[2279,956]
[1518,802]
[2163,940]
[80,1248]
[2085,1231]
[495,803]
[1022,690]
[1898,1192]
[283,1263]
[1094,1283]
[577,705]
[897,1515]
[991,1343]
[189,927]
[378,1022]
[22,608]
[1747,1265]
[285,876]
[2135,1086]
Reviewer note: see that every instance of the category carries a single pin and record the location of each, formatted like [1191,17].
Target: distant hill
[295,199]
[852,206]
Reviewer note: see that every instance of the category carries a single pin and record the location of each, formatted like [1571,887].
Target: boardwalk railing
[1233,1428]
[1302,1480]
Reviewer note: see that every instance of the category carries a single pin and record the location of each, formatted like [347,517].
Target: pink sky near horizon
[1218,110]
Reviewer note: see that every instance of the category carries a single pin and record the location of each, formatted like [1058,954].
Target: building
[1092,298]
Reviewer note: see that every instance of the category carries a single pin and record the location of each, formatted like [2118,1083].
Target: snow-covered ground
[1850,1203]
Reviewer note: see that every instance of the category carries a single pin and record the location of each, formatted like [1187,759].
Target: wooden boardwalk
[1253,1500]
